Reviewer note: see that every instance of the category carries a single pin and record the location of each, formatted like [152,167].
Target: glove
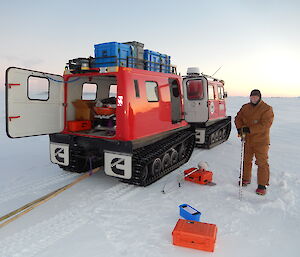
[243,131]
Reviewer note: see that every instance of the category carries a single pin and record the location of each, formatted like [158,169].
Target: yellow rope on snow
[7,218]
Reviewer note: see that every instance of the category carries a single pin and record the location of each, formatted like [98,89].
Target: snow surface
[101,216]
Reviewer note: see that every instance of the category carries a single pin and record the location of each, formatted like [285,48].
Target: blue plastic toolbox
[152,60]
[113,54]
[155,61]
[189,213]
[166,62]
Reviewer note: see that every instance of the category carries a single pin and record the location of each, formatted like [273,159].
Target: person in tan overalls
[254,121]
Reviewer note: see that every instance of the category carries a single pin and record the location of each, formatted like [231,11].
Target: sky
[257,43]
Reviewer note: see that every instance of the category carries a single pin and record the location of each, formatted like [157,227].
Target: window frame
[110,88]
[208,93]
[137,89]
[222,92]
[156,89]
[89,84]
[178,87]
[199,99]
[48,91]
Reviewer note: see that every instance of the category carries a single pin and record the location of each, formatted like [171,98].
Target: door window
[194,89]
[113,90]
[221,92]
[137,90]
[176,113]
[38,88]
[211,95]
[89,91]
[175,88]
[152,91]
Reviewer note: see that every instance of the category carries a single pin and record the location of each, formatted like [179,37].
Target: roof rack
[81,65]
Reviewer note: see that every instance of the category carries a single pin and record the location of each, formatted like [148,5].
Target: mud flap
[59,154]
[118,164]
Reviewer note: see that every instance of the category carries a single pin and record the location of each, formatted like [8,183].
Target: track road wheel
[182,151]
[144,173]
[220,136]
[156,166]
[213,138]
[216,136]
[224,133]
[166,161]
[174,156]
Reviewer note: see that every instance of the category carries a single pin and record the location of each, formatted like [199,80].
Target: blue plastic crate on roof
[130,54]
[155,61]
[166,62]
[113,54]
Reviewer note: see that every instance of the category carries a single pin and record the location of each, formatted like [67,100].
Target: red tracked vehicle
[140,130]
[205,108]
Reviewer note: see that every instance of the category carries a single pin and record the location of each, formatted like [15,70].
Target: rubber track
[213,129]
[79,161]
[144,156]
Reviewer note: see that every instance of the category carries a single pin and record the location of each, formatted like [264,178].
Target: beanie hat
[255,92]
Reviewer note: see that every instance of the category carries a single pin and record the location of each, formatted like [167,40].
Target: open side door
[176,112]
[30,111]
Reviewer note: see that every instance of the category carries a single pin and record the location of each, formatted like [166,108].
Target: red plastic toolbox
[200,176]
[193,234]
[77,125]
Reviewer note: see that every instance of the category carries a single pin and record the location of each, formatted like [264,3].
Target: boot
[261,190]
[245,182]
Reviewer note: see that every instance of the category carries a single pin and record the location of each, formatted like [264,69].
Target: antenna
[217,70]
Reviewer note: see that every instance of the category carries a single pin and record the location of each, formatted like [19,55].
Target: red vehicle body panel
[137,118]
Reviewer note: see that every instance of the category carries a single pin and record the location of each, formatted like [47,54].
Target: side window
[152,91]
[211,95]
[113,91]
[89,91]
[194,89]
[221,92]
[175,88]
[137,90]
[38,88]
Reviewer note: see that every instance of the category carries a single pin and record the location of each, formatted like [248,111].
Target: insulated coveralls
[259,119]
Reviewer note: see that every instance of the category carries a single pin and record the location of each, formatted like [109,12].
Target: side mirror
[225,95]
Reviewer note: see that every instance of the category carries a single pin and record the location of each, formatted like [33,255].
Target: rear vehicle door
[195,100]
[34,103]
